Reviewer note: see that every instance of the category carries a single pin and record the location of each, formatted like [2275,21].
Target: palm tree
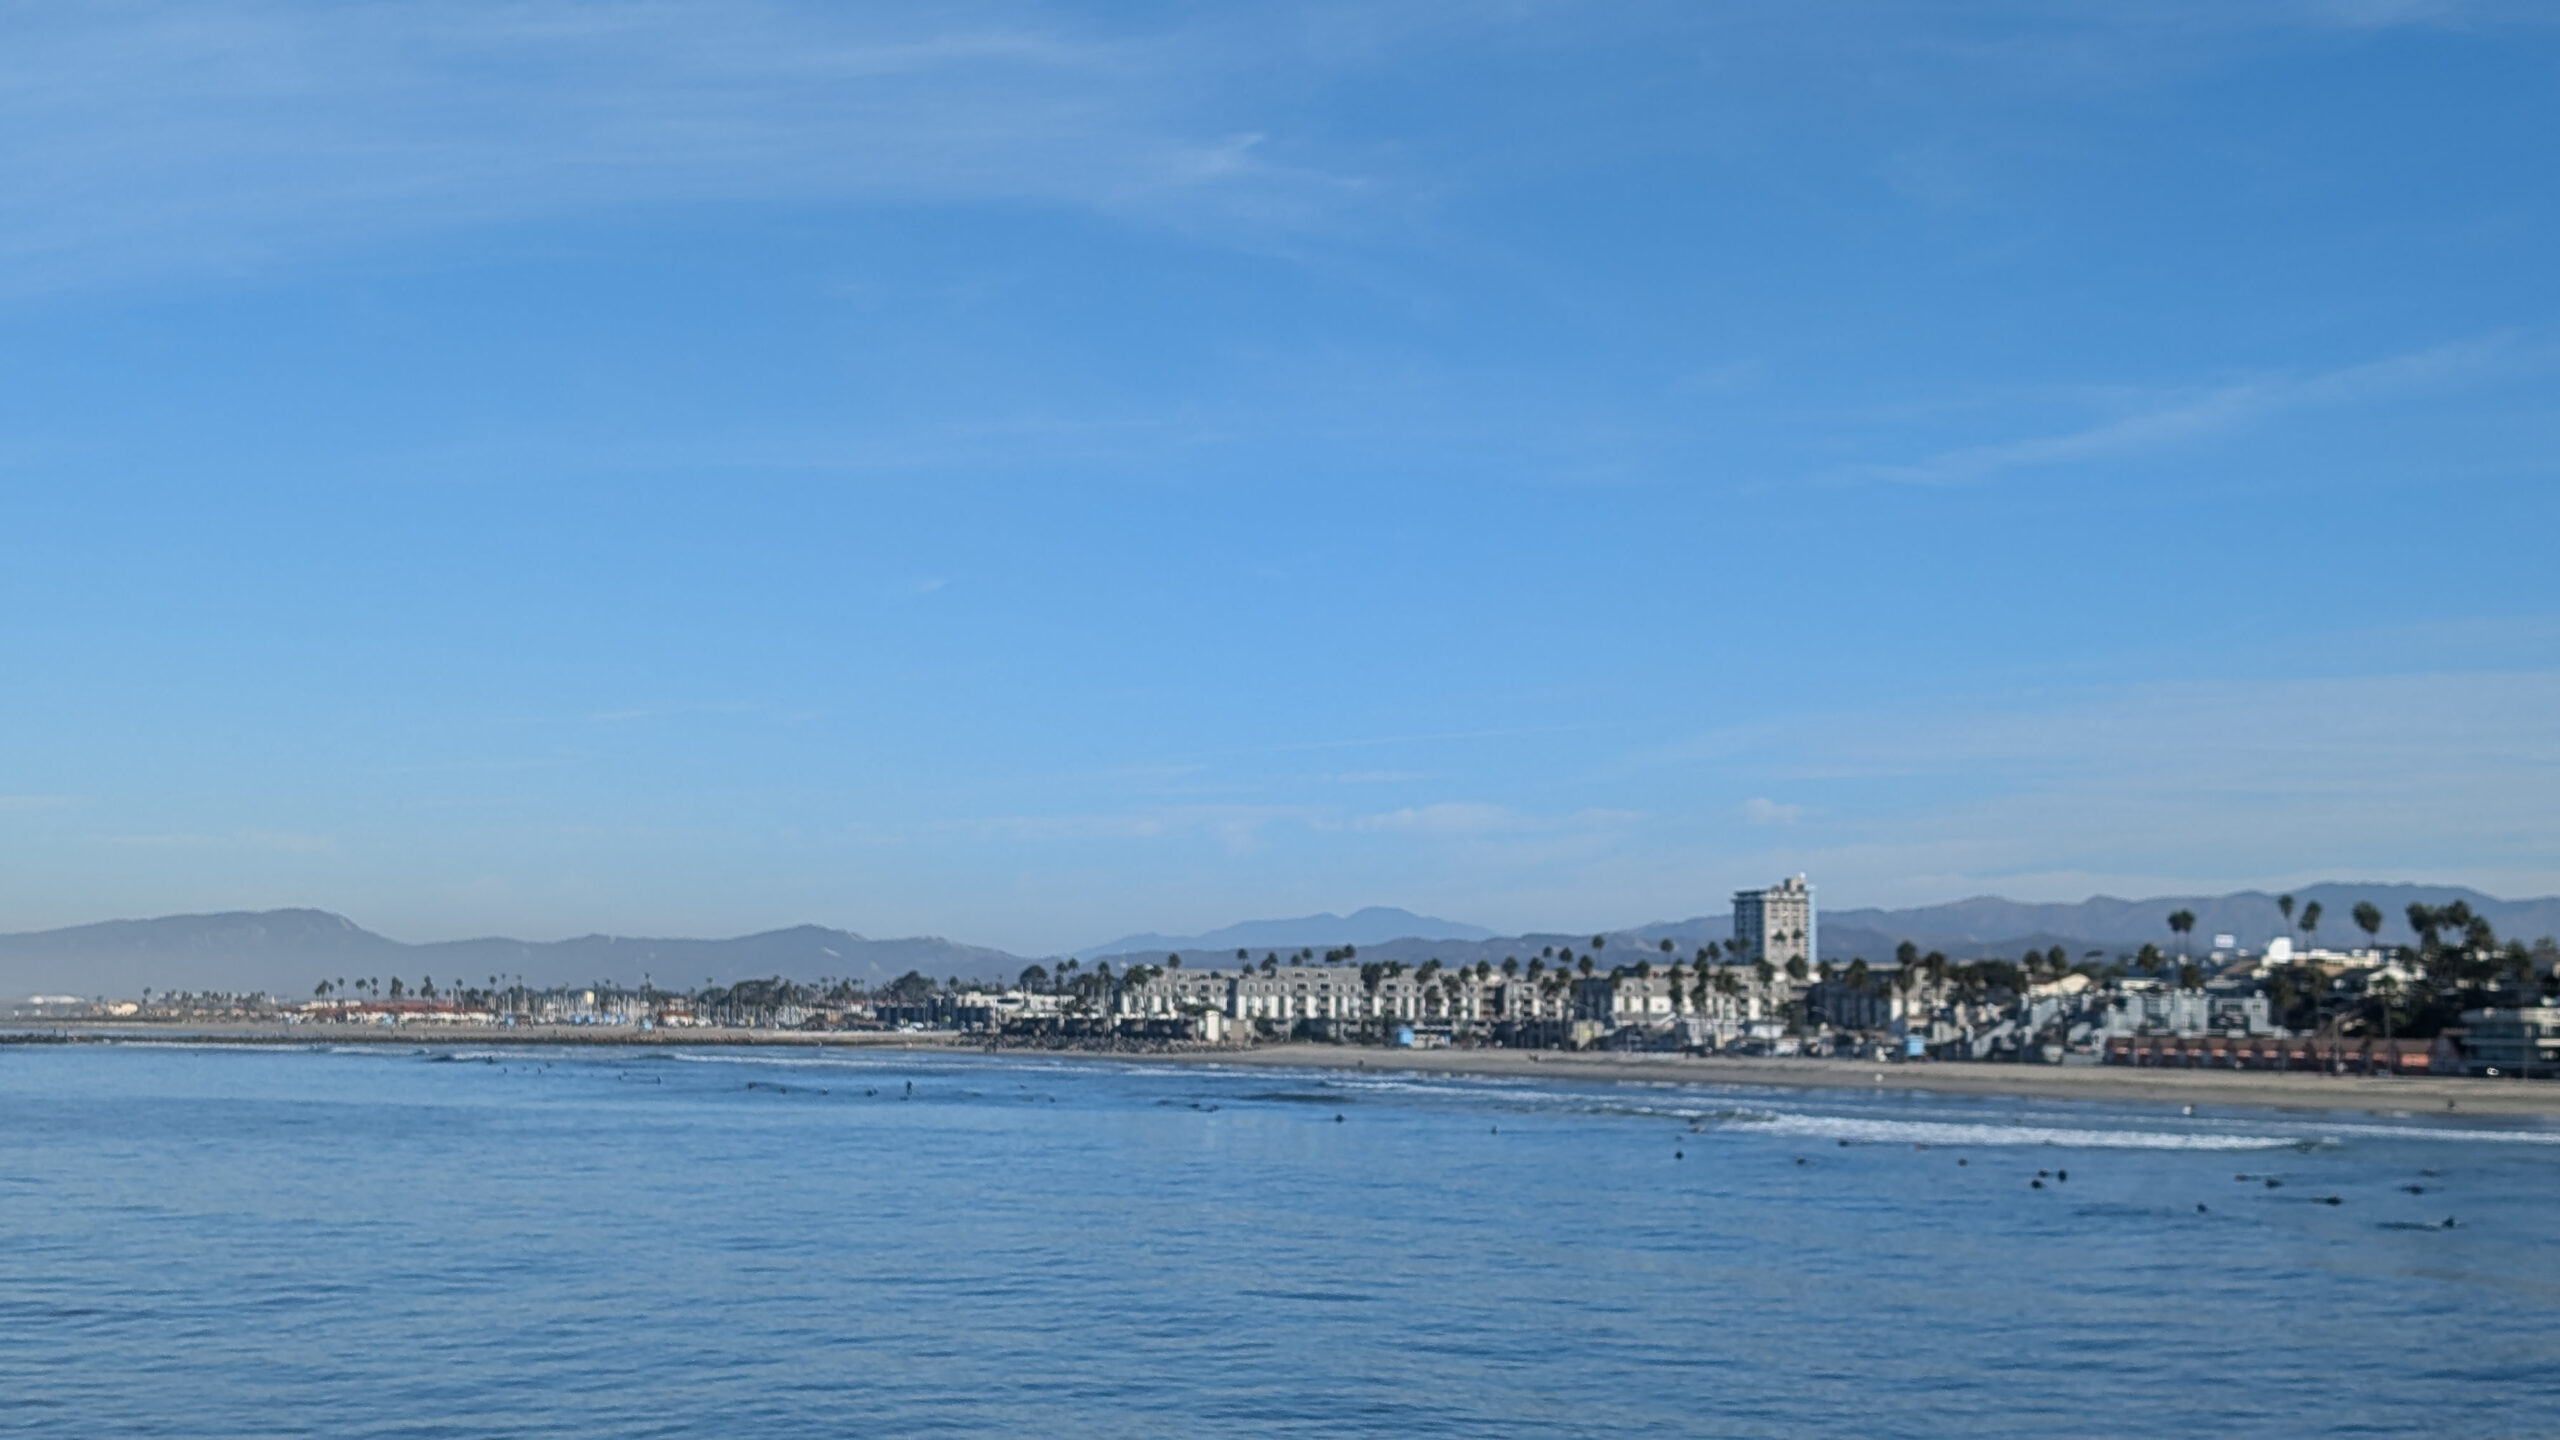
[2180,922]
[2457,915]
[2310,923]
[2285,904]
[2424,921]
[2368,918]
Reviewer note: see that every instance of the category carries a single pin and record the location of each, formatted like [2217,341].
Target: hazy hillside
[1989,923]
[288,951]
[244,949]
[1965,928]
[1373,925]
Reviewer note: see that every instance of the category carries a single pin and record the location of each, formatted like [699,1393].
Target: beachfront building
[2138,1007]
[1283,997]
[1288,995]
[2523,1041]
[1704,1006]
[1776,924]
[1700,1005]
[1341,999]
[1625,997]
[1728,1001]
[1169,992]
[2281,951]
[1864,999]
[1537,996]
[2336,1055]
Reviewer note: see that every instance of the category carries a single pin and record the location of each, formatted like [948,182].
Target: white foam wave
[787,1062]
[1611,1100]
[2443,1132]
[1939,1132]
[1950,1132]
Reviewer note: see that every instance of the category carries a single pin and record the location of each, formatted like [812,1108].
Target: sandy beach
[2378,1095]
[2381,1095]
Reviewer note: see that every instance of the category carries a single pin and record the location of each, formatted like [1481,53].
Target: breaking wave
[1959,1133]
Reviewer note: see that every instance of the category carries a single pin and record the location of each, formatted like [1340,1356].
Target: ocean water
[381,1242]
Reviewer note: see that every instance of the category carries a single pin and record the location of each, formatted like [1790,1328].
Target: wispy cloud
[2082,46]
[1477,820]
[1732,375]
[158,137]
[2386,14]
[163,137]
[628,714]
[256,840]
[1241,825]
[1237,826]
[2166,420]
[1429,737]
[1442,819]
[1760,810]
[19,804]
[2151,787]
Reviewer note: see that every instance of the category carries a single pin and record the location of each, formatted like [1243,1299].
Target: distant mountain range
[286,952]
[1993,925]
[1964,929]
[1361,927]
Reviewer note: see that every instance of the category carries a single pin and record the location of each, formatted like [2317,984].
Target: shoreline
[2267,1089]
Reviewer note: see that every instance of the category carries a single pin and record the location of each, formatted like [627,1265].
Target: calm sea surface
[204,1242]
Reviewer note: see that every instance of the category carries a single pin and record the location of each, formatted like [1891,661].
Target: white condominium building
[1775,924]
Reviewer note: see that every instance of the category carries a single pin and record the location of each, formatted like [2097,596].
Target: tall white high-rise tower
[1776,924]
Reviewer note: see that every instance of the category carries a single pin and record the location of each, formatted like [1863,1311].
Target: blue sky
[1030,473]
